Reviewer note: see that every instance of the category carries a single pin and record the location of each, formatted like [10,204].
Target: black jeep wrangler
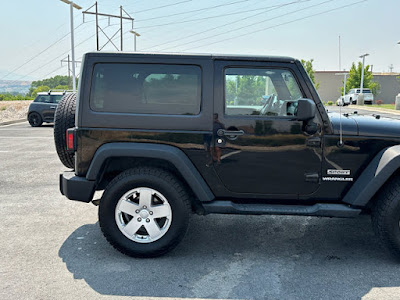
[169,135]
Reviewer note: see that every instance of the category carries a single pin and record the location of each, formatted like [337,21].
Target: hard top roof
[194,55]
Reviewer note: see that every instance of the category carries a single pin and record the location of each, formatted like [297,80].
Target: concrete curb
[376,109]
[13,122]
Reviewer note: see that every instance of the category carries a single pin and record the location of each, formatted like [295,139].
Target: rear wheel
[386,216]
[144,212]
[64,119]
[35,120]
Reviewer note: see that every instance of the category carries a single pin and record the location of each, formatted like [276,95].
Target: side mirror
[305,110]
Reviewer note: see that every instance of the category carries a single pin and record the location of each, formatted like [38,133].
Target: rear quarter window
[146,89]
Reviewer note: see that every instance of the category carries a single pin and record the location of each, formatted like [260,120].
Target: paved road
[52,248]
[368,110]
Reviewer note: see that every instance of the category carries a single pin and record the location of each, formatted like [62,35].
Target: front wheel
[144,212]
[386,216]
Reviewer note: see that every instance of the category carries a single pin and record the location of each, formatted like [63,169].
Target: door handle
[53,107]
[222,132]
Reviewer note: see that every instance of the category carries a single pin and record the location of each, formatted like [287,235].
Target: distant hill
[14,86]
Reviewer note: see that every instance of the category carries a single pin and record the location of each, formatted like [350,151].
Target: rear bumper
[76,188]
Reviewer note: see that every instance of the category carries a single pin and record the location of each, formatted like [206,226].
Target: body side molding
[169,153]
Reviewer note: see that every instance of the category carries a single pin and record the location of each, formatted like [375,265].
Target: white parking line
[26,137]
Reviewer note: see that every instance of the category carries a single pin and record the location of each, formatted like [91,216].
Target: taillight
[70,139]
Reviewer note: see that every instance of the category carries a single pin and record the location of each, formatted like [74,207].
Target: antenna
[340,143]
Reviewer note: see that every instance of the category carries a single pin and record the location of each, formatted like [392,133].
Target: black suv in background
[42,109]
[165,136]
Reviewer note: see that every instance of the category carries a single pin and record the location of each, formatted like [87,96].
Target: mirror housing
[305,110]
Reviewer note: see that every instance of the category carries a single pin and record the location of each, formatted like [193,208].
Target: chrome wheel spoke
[145,197]
[141,208]
[152,229]
[132,227]
[128,207]
[161,211]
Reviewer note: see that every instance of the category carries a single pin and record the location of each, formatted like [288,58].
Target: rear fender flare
[169,153]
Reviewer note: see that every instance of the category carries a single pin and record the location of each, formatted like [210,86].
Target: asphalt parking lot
[366,109]
[52,248]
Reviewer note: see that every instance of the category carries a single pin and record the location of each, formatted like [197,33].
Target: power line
[53,71]
[223,15]
[255,23]
[163,6]
[265,9]
[281,24]
[40,53]
[196,10]
[49,62]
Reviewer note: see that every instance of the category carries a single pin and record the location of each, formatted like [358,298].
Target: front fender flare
[384,164]
[169,153]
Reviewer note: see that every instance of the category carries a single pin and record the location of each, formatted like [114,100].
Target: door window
[261,92]
[43,99]
[56,98]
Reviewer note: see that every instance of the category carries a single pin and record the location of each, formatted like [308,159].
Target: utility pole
[120,30]
[360,98]
[391,68]
[72,5]
[340,58]
[67,60]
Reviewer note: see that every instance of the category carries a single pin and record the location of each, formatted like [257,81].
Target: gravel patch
[13,110]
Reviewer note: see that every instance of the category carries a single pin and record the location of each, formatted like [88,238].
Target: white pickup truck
[352,95]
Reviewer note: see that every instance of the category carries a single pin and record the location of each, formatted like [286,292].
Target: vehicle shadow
[242,257]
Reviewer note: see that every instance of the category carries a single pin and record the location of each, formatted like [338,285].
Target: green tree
[308,66]
[52,83]
[42,88]
[354,79]
[245,89]
[62,87]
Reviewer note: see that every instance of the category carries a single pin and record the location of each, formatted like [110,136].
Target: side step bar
[320,209]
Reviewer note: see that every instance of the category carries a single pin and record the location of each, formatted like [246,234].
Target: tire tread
[173,183]
[64,118]
[384,214]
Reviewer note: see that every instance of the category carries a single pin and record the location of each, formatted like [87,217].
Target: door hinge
[312,177]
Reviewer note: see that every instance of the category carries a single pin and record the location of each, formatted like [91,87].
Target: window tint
[43,99]
[56,98]
[364,90]
[146,88]
[269,92]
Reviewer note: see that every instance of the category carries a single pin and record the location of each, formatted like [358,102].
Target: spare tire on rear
[64,119]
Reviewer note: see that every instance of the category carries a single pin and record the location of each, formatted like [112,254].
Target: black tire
[64,119]
[138,178]
[35,119]
[386,216]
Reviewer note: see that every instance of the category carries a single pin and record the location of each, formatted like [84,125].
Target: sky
[35,35]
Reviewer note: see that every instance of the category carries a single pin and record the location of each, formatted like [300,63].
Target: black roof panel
[194,55]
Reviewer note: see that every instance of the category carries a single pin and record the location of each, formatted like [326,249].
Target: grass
[3,108]
[387,106]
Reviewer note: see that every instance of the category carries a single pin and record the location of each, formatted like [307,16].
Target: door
[44,107]
[53,105]
[259,146]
